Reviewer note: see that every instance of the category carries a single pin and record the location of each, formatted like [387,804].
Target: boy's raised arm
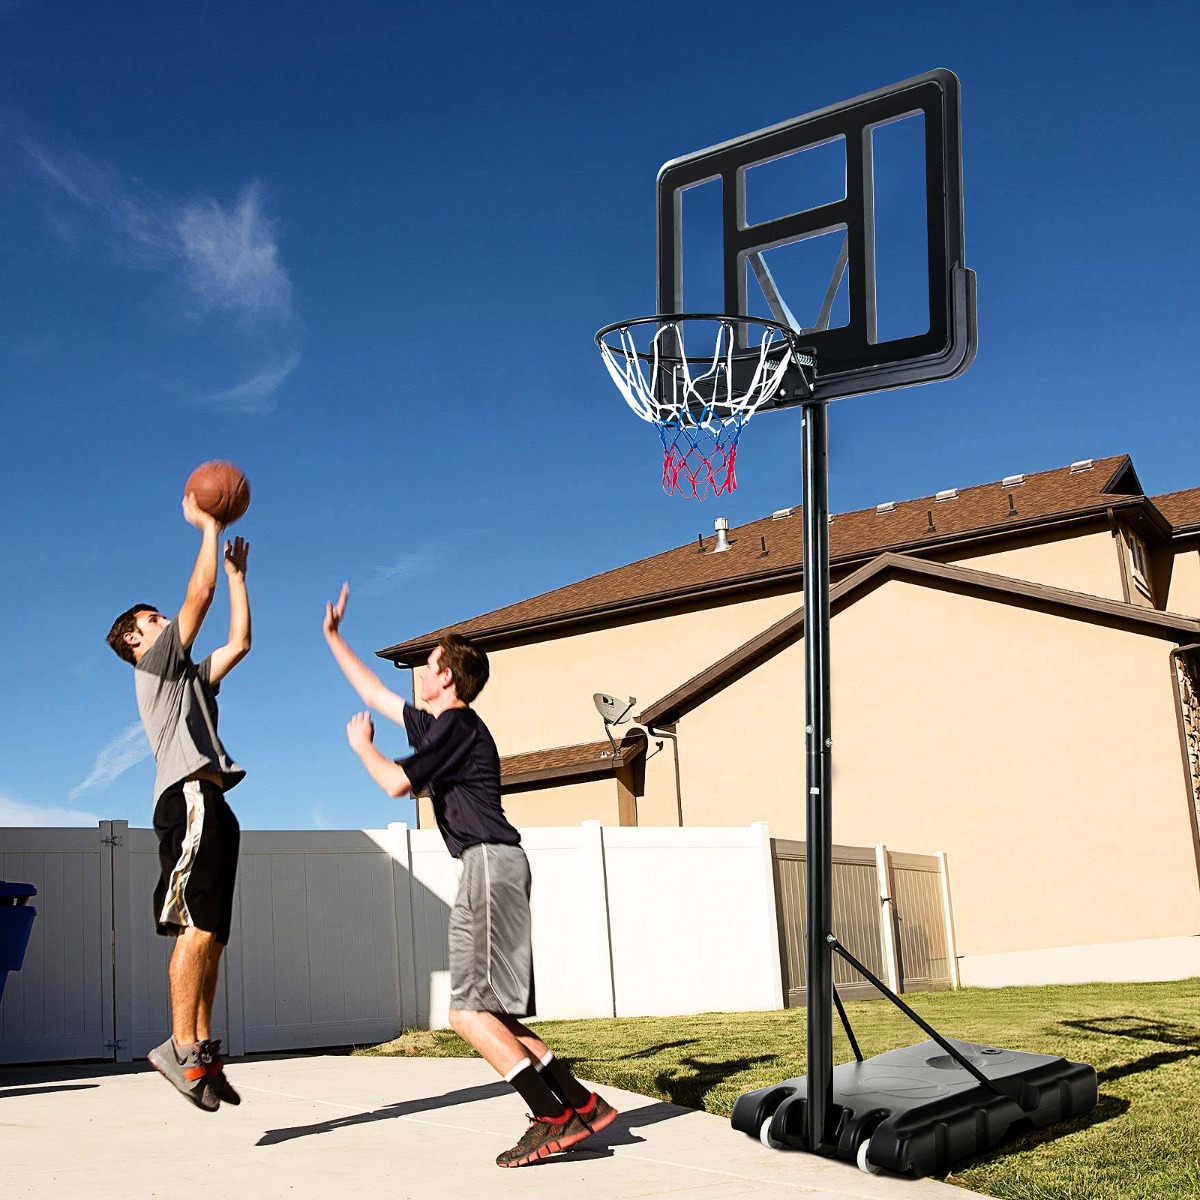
[226,657]
[203,583]
[362,679]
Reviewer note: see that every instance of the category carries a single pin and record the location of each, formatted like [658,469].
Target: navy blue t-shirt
[455,759]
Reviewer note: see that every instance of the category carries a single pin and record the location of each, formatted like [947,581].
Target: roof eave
[413,653]
[630,749]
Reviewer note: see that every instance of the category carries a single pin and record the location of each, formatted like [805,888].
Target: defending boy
[198,835]
[491,957]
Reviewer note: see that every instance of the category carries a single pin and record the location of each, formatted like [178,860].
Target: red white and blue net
[698,402]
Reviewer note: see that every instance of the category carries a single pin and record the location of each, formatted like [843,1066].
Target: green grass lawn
[1141,1142]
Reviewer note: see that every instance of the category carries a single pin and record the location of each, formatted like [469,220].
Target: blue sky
[362,250]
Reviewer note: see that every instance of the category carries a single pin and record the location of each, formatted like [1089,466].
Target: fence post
[761,832]
[887,917]
[118,906]
[948,918]
[594,878]
[400,848]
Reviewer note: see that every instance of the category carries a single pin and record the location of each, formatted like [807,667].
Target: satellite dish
[614,712]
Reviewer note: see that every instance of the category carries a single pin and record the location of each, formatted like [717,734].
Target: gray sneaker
[189,1076]
[547,1135]
[597,1113]
[218,1084]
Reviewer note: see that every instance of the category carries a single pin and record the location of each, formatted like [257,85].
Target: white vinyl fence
[339,937]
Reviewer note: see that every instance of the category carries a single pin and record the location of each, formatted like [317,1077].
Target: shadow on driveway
[619,1133]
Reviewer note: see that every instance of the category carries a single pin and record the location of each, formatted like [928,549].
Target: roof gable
[981,584]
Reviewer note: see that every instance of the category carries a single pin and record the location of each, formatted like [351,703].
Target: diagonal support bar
[921,1024]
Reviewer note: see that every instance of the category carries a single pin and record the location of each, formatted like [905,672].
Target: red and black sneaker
[217,1082]
[597,1113]
[546,1136]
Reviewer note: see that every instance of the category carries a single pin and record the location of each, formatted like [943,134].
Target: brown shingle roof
[983,584]
[563,762]
[1064,494]
[1182,509]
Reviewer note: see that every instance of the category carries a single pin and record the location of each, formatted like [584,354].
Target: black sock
[562,1082]
[532,1087]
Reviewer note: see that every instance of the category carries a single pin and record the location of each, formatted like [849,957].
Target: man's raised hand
[335,612]
[360,731]
[237,553]
[193,514]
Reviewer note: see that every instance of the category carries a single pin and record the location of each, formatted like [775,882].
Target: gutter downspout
[673,738]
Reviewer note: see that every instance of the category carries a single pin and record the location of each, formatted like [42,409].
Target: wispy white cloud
[256,394]
[404,569]
[18,812]
[126,750]
[139,215]
[231,257]
[224,259]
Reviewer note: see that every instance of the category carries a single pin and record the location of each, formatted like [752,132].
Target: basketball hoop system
[699,402]
[699,378]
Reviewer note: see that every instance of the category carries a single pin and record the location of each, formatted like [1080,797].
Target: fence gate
[60,1004]
[923,954]
[889,910]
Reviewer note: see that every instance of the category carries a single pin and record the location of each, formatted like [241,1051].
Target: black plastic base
[922,1112]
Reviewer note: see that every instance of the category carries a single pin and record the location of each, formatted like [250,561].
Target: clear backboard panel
[845,224]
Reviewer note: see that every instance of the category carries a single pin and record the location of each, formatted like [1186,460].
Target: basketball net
[699,404]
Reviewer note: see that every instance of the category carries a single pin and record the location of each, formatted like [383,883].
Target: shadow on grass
[1141,1029]
[692,1089]
[651,1051]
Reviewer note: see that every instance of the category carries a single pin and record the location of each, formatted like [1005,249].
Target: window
[1139,564]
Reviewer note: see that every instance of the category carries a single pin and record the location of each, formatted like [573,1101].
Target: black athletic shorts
[198,838]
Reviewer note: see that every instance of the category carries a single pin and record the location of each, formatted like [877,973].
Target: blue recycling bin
[16,922]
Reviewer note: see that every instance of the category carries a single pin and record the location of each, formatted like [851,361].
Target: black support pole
[818,743]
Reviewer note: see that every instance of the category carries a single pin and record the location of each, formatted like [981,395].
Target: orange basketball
[221,490]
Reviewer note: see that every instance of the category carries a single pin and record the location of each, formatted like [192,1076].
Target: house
[1015,676]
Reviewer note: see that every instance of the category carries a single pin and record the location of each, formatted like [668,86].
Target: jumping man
[198,834]
[491,955]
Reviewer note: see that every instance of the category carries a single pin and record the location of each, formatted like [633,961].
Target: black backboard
[895,153]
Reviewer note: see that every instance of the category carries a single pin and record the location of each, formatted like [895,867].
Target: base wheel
[864,1164]
[764,1135]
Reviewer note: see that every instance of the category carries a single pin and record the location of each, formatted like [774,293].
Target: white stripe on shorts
[175,909]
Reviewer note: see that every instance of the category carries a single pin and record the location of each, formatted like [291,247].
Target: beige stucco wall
[1087,562]
[566,804]
[1184,593]
[1040,752]
[540,695]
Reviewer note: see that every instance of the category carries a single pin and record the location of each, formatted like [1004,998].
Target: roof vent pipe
[721,525]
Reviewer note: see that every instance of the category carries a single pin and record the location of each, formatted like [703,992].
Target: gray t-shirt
[179,713]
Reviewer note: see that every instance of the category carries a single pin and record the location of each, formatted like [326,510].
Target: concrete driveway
[330,1125]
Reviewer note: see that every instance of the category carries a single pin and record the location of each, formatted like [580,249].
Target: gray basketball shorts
[491,951]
